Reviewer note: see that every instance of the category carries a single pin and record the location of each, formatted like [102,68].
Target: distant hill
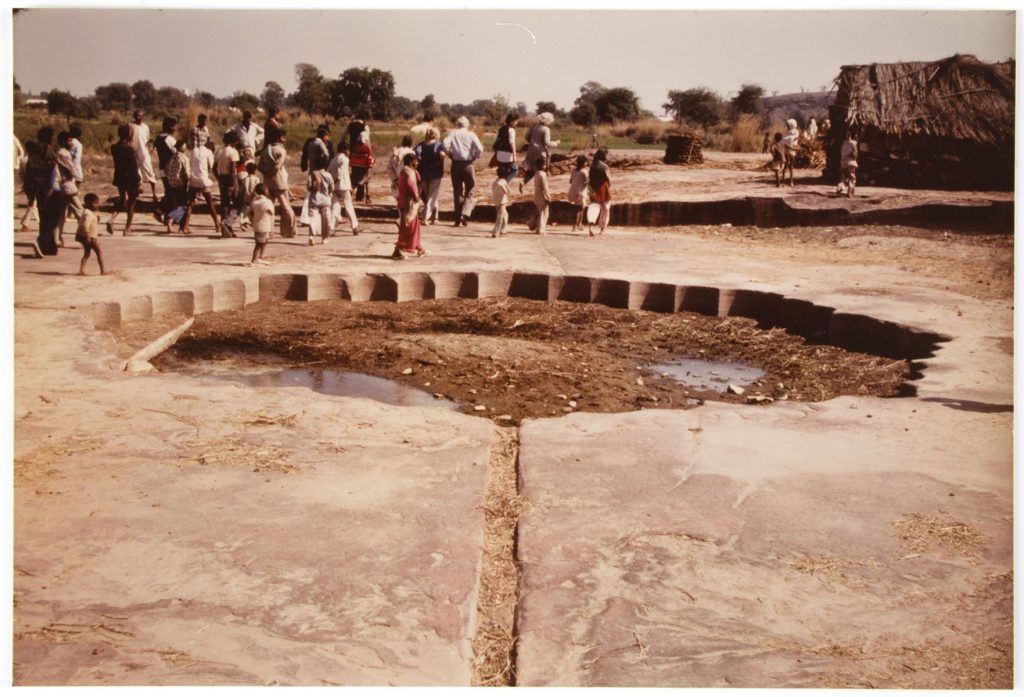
[805,104]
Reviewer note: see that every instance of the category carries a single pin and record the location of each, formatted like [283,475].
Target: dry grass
[831,569]
[37,466]
[494,641]
[234,453]
[921,534]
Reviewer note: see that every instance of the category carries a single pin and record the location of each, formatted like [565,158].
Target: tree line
[371,91]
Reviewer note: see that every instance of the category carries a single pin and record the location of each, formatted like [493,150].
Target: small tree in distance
[698,105]
[272,96]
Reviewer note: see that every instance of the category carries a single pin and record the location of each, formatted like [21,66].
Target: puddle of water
[329,382]
[709,375]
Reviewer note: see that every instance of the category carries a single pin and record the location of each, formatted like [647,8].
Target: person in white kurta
[140,144]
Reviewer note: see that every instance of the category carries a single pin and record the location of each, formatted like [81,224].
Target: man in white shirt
[338,169]
[250,136]
[201,182]
[462,147]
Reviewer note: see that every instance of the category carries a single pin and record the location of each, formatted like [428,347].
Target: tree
[589,92]
[698,105]
[749,100]
[171,98]
[205,99]
[610,104]
[364,89]
[61,102]
[272,96]
[617,104]
[552,108]
[312,95]
[584,114]
[117,96]
[143,94]
[244,101]
[404,108]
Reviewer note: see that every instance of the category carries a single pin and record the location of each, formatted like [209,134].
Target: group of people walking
[247,170]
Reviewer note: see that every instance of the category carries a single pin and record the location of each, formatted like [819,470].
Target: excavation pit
[508,359]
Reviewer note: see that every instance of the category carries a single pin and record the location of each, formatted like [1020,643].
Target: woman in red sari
[408,209]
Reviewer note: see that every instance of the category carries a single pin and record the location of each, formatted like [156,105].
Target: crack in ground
[494,639]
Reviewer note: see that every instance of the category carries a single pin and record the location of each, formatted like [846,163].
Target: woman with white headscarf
[539,144]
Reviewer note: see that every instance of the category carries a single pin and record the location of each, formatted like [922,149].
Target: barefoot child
[848,164]
[87,234]
[261,212]
[499,194]
[578,193]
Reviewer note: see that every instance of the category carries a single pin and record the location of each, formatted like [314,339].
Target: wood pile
[811,155]
[684,150]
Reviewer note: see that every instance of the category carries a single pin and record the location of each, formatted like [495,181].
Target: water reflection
[709,375]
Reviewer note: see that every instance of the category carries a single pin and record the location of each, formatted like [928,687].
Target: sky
[460,55]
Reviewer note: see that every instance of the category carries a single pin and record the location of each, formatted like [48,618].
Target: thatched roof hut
[947,124]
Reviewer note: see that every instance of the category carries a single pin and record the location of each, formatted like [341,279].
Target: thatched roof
[958,97]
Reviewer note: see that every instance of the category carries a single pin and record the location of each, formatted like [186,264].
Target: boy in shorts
[87,234]
[261,212]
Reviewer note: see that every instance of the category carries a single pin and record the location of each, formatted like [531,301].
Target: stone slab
[731,546]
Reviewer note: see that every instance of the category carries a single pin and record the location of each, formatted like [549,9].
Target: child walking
[848,164]
[499,194]
[88,235]
[578,193]
[261,212]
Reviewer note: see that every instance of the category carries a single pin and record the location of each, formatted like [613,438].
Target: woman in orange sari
[408,209]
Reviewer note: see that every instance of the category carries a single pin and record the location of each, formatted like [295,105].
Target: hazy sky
[459,56]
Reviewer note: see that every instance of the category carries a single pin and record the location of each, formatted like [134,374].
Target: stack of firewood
[684,150]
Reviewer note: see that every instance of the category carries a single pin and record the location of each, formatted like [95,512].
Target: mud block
[106,315]
[413,286]
[700,299]
[203,299]
[135,309]
[325,286]
[856,333]
[493,283]
[453,284]
[251,287]
[384,287]
[900,341]
[283,287]
[804,318]
[359,288]
[655,297]
[576,289]
[532,286]
[611,292]
[182,301]
[229,295]
[755,304]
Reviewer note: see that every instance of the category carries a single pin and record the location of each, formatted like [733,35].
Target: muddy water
[708,375]
[329,382]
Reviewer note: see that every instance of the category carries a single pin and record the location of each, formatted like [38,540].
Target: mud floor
[510,359]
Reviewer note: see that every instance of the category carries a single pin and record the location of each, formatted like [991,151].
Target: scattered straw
[494,641]
[920,534]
